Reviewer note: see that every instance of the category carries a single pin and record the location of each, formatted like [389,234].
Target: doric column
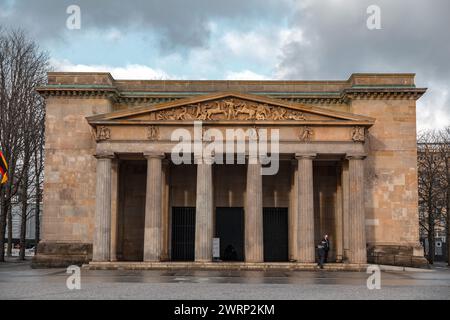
[346,219]
[293,213]
[339,241]
[102,236]
[254,250]
[204,211]
[152,233]
[165,210]
[356,209]
[305,236]
[114,207]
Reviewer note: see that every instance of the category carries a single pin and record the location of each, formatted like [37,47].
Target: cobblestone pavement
[19,281]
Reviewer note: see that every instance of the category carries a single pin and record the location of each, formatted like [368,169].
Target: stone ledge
[58,255]
[403,256]
[239,266]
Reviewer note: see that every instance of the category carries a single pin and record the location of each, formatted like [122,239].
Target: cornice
[383,93]
[318,98]
[79,91]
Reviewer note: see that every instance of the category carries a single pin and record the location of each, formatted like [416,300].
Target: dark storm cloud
[415,37]
[178,22]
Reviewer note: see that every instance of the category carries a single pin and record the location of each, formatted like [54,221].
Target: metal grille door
[230,230]
[183,233]
[275,224]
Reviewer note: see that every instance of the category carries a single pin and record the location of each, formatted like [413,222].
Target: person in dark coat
[327,247]
[323,248]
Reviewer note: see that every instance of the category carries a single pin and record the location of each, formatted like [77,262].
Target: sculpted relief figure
[246,111]
[306,134]
[297,115]
[262,112]
[103,133]
[165,115]
[152,133]
[229,105]
[182,115]
[214,110]
[279,113]
[358,134]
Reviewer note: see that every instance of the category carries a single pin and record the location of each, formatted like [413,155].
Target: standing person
[321,251]
[327,247]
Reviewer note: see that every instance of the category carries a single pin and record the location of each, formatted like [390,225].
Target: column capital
[105,155]
[151,155]
[356,156]
[305,156]
[205,158]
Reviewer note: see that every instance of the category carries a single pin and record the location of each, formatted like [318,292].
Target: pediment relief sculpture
[229,109]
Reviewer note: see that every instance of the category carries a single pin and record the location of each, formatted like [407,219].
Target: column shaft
[293,214]
[165,211]
[102,236]
[356,210]
[152,233]
[345,209]
[254,251]
[114,207]
[339,241]
[305,236]
[204,213]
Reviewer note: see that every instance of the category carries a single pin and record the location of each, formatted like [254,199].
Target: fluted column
[204,211]
[339,242]
[254,250]
[152,233]
[293,213]
[305,236]
[102,236]
[346,219]
[356,209]
[165,210]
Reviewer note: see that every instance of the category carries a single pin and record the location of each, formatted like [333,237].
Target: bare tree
[433,185]
[444,150]
[23,67]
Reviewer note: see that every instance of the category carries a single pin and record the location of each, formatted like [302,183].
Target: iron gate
[275,224]
[183,233]
[230,230]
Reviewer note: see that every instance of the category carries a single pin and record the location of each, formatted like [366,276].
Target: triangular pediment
[229,107]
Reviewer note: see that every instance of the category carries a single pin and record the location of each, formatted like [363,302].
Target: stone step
[221,266]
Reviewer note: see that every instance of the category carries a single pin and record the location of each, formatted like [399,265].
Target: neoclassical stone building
[114,196]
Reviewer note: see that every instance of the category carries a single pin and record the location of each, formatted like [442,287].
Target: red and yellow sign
[3,169]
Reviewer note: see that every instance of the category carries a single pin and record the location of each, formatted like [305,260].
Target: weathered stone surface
[57,255]
[368,113]
[405,256]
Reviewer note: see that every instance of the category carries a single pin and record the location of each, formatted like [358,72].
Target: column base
[61,254]
[405,256]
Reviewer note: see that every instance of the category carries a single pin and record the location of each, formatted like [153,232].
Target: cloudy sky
[248,39]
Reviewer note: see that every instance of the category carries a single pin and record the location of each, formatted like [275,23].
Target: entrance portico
[310,143]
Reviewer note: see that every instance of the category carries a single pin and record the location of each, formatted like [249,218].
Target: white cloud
[433,109]
[245,75]
[130,71]
[264,45]
[114,35]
